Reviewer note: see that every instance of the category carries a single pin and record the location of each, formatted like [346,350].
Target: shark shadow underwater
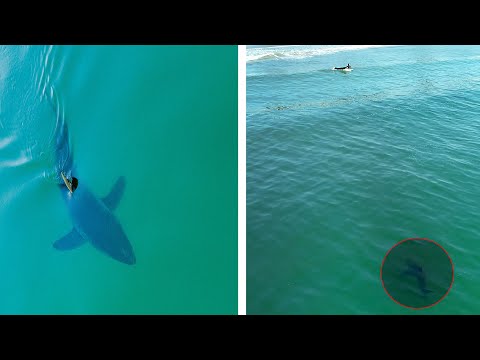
[92,218]
[416,271]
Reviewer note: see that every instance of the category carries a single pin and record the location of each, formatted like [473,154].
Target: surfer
[343,68]
[71,185]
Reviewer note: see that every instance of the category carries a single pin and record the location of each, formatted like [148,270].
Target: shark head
[413,267]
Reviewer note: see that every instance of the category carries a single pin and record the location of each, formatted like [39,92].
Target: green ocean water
[343,166]
[165,117]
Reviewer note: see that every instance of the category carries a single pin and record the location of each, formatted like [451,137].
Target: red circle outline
[410,307]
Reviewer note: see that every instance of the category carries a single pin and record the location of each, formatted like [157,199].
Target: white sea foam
[6,141]
[22,159]
[300,51]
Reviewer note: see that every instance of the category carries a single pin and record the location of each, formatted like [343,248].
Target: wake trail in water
[59,140]
[28,135]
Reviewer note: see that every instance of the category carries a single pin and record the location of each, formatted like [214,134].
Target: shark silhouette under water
[415,270]
[93,219]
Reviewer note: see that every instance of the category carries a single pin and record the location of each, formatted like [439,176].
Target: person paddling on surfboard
[71,185]
[343,68]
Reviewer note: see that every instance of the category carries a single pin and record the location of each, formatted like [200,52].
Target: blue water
[163,117]
[342,166]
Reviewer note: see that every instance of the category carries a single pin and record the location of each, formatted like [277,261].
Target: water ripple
[340,168]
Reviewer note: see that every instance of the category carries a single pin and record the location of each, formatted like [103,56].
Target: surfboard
[67,182]
[346,70]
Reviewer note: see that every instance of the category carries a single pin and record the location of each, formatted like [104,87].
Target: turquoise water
[342,166]
[165,117]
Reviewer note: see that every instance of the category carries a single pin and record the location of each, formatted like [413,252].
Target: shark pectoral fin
[113,198]
[70,241]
